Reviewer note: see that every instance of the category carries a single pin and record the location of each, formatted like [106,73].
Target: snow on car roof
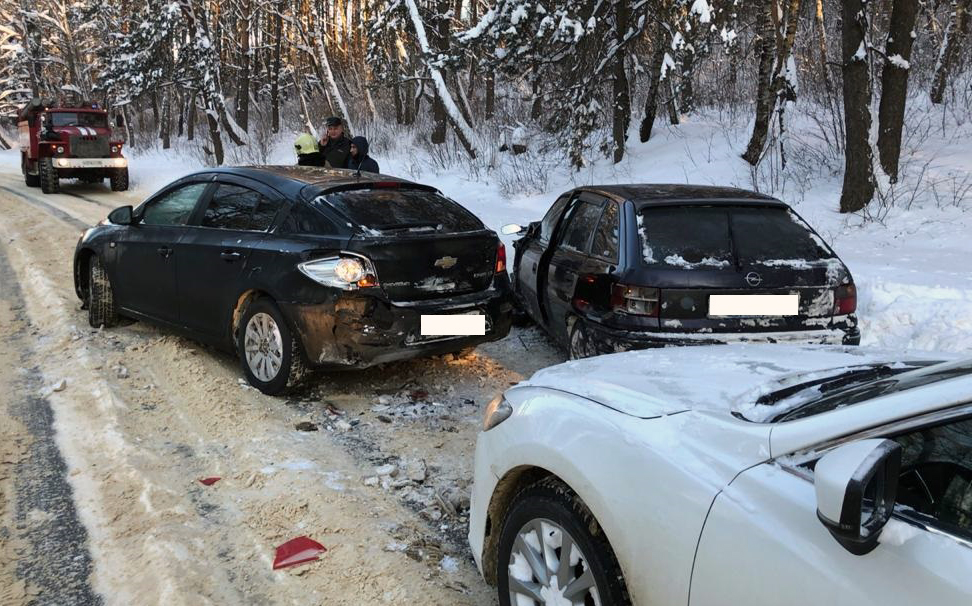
[720,378]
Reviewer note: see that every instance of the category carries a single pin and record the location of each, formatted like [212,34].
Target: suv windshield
[848,386]
[720,236]
[95,120]
[396,211]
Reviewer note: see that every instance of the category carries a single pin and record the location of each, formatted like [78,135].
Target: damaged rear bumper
[612,339]
[358,331]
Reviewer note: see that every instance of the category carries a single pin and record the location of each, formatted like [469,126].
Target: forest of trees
[581,72]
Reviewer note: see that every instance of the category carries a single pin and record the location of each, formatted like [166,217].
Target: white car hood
[718,378]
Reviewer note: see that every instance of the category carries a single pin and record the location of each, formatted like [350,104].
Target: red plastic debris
[297,551]
[209,481]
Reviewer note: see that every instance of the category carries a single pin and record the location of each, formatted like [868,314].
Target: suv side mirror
[511,228]
[122,216]
[856,487]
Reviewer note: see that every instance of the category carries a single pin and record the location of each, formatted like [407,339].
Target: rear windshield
[79,119]
[395,211]
[718,236]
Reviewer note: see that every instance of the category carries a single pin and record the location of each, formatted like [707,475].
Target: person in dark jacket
[359,158]
[335,146]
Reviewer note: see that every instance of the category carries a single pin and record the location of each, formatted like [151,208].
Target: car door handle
[230,256]
[165,251]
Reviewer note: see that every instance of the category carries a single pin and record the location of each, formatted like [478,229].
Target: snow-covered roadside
[911,269]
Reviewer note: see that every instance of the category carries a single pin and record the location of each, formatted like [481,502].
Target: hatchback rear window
[697,237]
[685,236]
[402,210]
[774,235]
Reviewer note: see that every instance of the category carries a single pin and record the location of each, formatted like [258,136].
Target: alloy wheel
[263,347]
[547,567]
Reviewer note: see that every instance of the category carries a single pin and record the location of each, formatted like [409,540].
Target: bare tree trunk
[275,71]
[490,101]
[822,46]
[191,117]
[894,84]
[858,188]
[774,88]
[243,88]
[438,105]
[654,81]
[764,83]
[165,126]
[958,25]
[214,131]
[621,107]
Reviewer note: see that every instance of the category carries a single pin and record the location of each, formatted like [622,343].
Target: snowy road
[105,433]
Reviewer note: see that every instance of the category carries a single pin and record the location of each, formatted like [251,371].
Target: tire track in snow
[58,561]
[47,208]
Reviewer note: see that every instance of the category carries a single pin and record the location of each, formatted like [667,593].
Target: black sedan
[300,267]
[630,266]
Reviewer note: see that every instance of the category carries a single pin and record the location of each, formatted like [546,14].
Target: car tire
[579,343]
[102,310]
[550,507]
[270,353]
[49,181]
[119,179]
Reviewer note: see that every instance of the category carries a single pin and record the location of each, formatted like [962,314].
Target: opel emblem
[754,279]
[446,262]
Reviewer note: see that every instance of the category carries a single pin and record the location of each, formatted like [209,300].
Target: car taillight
[845,300]
[500,258]
[638,300]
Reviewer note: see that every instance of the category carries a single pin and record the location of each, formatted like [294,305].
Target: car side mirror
[512,228]
[122,216]
[856,486]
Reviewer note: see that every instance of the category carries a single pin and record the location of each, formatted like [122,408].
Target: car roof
[291,180]
[666,193]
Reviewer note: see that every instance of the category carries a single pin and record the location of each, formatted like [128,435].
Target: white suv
[734,474]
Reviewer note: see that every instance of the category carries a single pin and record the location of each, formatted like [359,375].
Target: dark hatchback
[631,266]
[297,267]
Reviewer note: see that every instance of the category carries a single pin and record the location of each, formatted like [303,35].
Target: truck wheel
[119,179]
[29,179]
[101,299]
[271,355]
[49,181]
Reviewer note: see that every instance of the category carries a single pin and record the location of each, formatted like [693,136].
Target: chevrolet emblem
[446,262]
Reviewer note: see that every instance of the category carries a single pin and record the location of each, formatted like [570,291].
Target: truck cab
[69,142]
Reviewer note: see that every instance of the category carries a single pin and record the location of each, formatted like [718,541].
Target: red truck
[64,142]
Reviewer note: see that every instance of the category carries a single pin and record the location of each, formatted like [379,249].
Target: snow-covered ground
[910,260]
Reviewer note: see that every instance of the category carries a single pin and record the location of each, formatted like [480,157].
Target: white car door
[762,543]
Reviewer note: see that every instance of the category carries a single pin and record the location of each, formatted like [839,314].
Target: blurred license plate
[453,325]
[754,305]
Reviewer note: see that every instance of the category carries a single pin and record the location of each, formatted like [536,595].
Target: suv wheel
[101,299]
[119,179]
[553,551]
[271,355]
[49,181]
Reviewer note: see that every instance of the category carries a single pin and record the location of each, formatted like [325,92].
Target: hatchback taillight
[638,300]
[845,300]
[500,258]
